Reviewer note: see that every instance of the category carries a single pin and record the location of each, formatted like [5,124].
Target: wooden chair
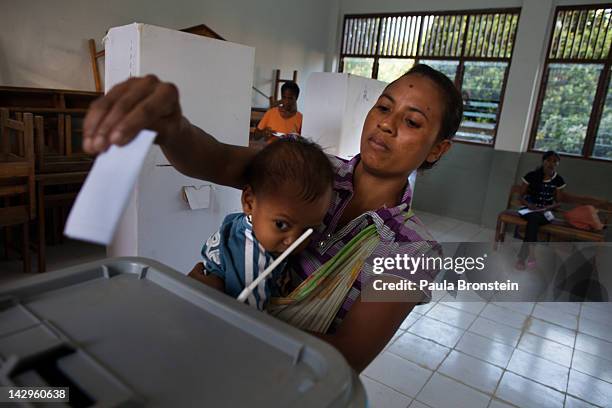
[60,156]
[58,180]
[17,177]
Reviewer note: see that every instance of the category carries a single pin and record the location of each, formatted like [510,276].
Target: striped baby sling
[313,305]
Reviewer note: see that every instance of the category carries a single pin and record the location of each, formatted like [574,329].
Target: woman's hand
[129,107]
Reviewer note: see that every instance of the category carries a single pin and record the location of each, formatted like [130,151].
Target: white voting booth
[214,79]
[335,106]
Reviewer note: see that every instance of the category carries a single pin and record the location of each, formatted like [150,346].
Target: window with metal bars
[574,108]
[472,48]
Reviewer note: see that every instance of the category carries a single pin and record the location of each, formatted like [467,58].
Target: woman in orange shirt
[283,118]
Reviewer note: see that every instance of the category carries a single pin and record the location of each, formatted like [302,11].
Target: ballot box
[133,332]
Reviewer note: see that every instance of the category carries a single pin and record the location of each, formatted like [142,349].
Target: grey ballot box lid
[134,332]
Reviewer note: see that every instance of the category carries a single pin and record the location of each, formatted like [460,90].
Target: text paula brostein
[424,284]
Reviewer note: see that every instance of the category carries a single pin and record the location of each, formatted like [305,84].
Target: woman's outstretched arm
[148,103]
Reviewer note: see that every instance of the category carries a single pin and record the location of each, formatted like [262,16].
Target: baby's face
[281,218]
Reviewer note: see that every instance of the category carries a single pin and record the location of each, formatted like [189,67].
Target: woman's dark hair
[292,87]
[298,163]
[539,171]
[453,103]
[549,154]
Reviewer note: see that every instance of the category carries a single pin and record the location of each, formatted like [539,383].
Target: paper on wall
[197,197]
[105,194]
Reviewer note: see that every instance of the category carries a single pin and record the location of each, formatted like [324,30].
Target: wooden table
[33,98]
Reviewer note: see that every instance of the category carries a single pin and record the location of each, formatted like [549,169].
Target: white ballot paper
[105,194]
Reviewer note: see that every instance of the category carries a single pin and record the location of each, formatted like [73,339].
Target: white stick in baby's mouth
[247,291]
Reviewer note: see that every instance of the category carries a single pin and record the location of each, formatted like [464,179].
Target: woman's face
[401,130]
[550,165]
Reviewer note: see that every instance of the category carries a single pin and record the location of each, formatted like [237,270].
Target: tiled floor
[458,353]
[58,256]
[463,352]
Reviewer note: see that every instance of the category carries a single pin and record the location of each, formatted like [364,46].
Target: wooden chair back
[64,159]
[17,159]
[277,81]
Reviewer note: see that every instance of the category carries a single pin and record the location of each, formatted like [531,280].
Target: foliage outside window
[574,109]
[472,48]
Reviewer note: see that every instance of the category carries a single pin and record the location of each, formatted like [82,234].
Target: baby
[289,189]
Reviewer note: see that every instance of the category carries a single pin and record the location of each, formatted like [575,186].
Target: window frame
[461,58]
[600,93]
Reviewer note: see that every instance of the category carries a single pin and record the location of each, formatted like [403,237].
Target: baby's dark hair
[291,86]
[453,103]
[298,163]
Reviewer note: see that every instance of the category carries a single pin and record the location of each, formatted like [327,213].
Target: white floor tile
[439,332]
[410,320]
[526,393]
[505,316]
[538,369]
[421,351]
[381,396]
[597,314]
[571,402]
[485,349]
[495,331]
[567,320]
[466,306]
[592,365]
[565,307]
[417,404]
[445,224]
[484,235]
[427,217]
[595,346]
[595,329]
[398,373]
[423,309]
[443,392]
[605,307]
[522,307]
[546,349]
[466,296]
[452,316]
[437,295]
[590,389]
[464,232]
[471,371]
[499,404]
[551,332]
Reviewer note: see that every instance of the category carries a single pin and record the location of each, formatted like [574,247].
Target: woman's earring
[249,218]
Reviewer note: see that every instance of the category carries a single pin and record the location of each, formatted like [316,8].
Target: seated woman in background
[283,118]
[540,192]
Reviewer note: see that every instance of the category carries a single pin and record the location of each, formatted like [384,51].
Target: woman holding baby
[410,127]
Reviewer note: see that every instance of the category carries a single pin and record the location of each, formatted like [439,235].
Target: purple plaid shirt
[397,235]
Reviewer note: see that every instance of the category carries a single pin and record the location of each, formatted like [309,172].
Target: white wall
[44,43]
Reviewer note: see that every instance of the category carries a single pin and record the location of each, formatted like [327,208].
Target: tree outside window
[472,48]
[574,109]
